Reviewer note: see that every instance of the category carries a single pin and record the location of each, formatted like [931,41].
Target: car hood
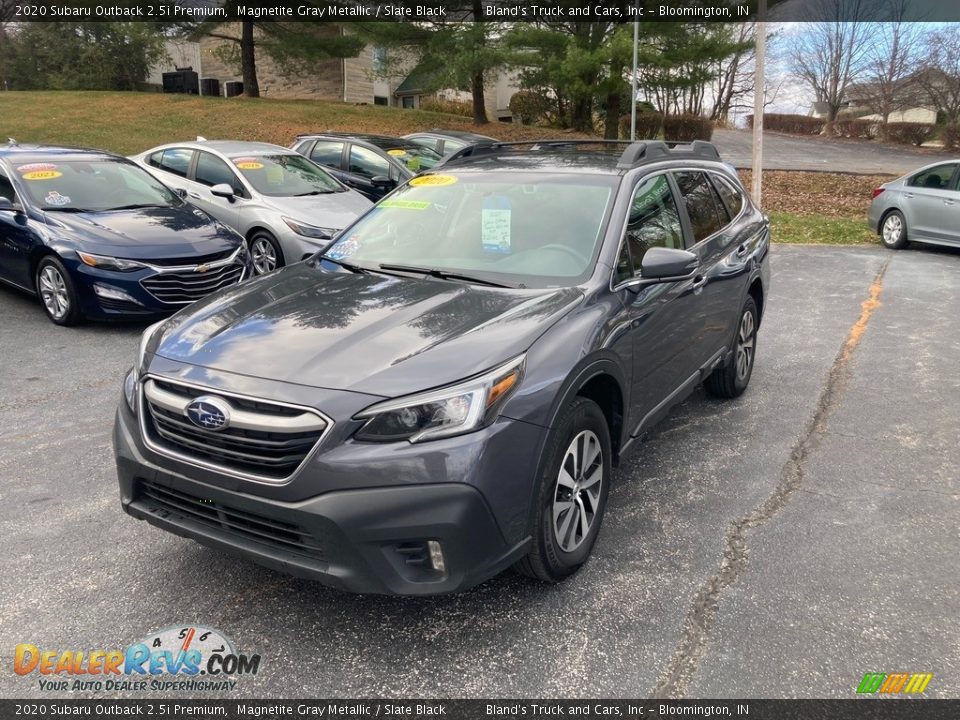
[146,233]
[374,334]
[333,210]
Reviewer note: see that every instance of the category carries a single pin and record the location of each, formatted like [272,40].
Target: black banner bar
[168,709]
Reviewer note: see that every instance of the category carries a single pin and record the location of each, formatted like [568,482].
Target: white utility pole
[633,81]
[759,96]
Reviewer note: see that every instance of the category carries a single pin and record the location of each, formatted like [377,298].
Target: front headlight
[138,367]
[453,410]
[102,262]
[310,231]
[130,390]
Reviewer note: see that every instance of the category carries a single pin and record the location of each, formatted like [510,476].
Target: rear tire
[730,380]
[893,230]
[571,494]
[57,292]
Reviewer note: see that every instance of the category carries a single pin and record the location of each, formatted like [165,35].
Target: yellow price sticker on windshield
[433,180]
[397,153]
[42,175]
[250,165]
[405,204]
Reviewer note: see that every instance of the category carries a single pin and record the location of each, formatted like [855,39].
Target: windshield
[285,175]
[94,185]
[529,229]
[414,157]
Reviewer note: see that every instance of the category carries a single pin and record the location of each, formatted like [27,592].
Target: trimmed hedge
[529,106]
[865,129]
[648,125]
[687,127]
[910,133]
[451,107]
[793,124]
[951,136]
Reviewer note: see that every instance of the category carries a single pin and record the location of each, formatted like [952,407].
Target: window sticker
[413,163]
[274,175]
[396,153]
[42,175]
[344,249]
[495,224]
[433,180]
[248,163]
[405,204]
[56,199]
[36,167]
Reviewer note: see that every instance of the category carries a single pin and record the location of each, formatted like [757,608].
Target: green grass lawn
[795,228]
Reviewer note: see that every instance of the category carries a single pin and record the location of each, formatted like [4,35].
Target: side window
[654,222]
[707,214]
[732,196]
[327,153]
[6,189]
[427,142]
[211,171]
[154,159]
[937,178]
[176,161]
[451,146]
[367,163]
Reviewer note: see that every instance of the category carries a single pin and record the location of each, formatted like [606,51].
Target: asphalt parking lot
[780,545]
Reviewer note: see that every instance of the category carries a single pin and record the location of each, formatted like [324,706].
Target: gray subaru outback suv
[443,392]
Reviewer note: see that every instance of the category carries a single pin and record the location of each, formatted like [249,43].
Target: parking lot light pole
[633,80]
[759,95]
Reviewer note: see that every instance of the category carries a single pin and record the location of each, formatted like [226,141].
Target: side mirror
[7,206]
[665,264]
[382,182]
[223,190]
[181,193]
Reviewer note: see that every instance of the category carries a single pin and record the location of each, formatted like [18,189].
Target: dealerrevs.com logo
[181,659]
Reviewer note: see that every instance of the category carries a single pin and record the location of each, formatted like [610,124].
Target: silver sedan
[286,206]
[923,207]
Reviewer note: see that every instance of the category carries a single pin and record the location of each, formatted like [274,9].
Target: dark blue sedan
[95,236]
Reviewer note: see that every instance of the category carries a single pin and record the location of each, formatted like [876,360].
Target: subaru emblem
[208,412]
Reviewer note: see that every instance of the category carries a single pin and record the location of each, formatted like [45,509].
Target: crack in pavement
[702,614]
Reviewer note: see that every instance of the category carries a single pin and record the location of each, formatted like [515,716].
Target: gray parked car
[923,207]
[447,142]
[445,391]
[286,206]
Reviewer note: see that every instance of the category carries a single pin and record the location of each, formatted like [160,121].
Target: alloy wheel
[577,493]
[264,256]
[892,229]
[53,291]
[746,337]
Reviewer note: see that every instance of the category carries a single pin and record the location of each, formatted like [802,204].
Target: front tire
[730,380]
[893,230]
[571,494]
[57,293]
[265,253]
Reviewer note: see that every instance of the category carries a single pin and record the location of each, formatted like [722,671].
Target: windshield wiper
[346,266]
[134,206]
[443,274]
[68,210]
[314,192]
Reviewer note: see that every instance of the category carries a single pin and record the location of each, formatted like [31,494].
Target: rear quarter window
[732,196]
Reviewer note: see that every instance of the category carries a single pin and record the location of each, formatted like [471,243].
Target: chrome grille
[191,261]
[257,528]
[263,440]
[187,286]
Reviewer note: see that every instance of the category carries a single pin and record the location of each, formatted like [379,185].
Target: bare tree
[889,79]
[940,76]
[831,54]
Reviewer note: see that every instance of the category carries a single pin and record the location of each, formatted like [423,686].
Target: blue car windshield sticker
[56,199]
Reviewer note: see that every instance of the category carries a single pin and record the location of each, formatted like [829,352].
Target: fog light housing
[436,556]
[111,293]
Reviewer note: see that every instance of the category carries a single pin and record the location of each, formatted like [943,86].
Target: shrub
[648,125]
[910,133]
[529,106]
[687,127]
[451,107]
[866,129]
[951,136]
[793,124]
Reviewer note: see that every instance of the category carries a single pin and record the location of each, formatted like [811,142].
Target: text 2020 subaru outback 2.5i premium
[444,391]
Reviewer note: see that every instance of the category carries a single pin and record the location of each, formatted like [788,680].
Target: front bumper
[371,540]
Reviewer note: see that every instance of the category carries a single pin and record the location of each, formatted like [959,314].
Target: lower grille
[189,286]
[239,523]
[265,440]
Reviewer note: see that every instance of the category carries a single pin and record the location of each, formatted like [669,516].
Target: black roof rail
[634,154]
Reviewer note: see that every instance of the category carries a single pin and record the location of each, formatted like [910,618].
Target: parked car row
[98,236]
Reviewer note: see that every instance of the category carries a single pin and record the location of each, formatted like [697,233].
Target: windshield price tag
[495,224]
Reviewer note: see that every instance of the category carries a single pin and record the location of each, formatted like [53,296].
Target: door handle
[194,195]
[742,250]
[699,281]
[949,202]
[909,195]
